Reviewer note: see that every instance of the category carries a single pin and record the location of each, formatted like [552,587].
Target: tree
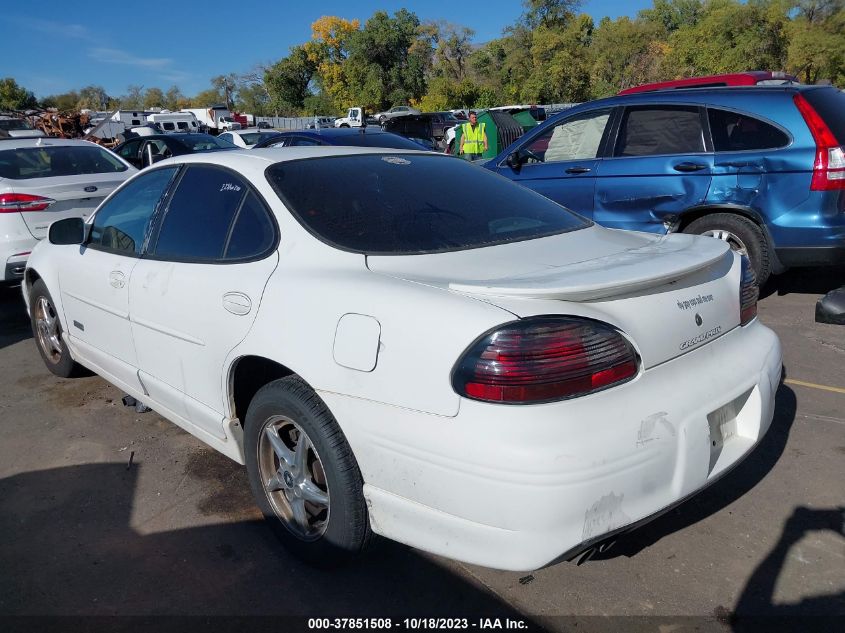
[62,102]
[207,98]
[227,86]
[548,13]
[287,80]
[15,97]
[173,98]
[328,51]
[561,68]
[153,98]
[816,42]
[92,98]
[670,15]
[133,99]
[626,53]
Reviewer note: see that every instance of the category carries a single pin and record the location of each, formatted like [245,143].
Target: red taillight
[15,202]
[544,359]
[829,166]
[748,293]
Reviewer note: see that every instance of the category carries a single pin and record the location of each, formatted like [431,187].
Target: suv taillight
[14,202]
[829,166]
[544,359]
[748,293]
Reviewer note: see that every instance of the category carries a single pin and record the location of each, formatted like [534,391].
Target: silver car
[47,179]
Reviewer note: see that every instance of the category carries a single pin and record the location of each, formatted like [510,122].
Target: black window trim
[164,196]
[323,240]
[162,209]
[702,114]
[752,115]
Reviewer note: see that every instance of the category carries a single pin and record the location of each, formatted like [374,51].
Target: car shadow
[728,489]
[68,549]
[14,322]
[756,609]
[817,281]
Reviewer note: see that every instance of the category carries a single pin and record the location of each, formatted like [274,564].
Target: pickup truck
[355,117]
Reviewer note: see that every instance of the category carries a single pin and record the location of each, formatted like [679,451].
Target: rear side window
[737,132]
[122,223]
[61,160]
[389,205]
[206,211]
[169,126]
[648,131]
[830,104]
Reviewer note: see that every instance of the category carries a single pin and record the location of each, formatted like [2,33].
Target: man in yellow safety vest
[473,138]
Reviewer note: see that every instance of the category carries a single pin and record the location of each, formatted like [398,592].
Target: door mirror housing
[67,231]
[515,160]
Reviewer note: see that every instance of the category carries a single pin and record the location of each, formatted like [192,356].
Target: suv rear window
[390,207]
[830,104]
[652,130]
[736,132]
[60,160]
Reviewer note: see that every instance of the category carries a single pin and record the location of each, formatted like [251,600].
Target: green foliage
[15,97]
[287,81]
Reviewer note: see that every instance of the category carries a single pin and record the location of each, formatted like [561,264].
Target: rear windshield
[251,138]
[63,160]
[379,139]
[10,125]
[205,142]
[830,104]
[405,204]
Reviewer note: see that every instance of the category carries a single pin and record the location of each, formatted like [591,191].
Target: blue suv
[760,167]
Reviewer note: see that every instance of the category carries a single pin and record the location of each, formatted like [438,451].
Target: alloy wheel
[732,239]
[48,330]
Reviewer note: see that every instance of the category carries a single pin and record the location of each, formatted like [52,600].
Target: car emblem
[698,319]
[90,189]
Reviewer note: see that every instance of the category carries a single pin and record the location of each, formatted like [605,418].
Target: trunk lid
[671,294]
[69,192]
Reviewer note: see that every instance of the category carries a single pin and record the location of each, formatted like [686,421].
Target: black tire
[50,342]
[747,231]
[344,125]
[345,527]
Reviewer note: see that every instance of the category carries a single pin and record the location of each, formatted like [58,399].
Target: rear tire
[311,493]
[48,334]
[743,235]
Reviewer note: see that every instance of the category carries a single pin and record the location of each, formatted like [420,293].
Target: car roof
[42,141]
[336,131]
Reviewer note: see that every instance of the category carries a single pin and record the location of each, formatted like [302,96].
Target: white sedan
[485,375]
[247,138]
[47,179]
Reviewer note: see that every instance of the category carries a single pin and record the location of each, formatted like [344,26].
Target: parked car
[322,122]
[147,150]
[415,127]
[361,137]
[750,78]
[18,128]
[387,359]
[247,138]
[395,111]
[47,179]
[762,168]
[263,125]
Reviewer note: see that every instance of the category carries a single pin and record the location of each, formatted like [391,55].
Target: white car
[485,376]
[247,138]
[14,127]
[47,179]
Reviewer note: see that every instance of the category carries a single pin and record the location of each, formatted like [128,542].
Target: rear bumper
[519,487]
[812,256]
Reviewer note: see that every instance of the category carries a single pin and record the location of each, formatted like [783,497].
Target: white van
[175,122]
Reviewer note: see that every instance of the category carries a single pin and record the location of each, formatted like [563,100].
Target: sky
[116,44]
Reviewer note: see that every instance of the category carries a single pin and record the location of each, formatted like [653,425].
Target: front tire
[743,236]
[48,334]
[303,474]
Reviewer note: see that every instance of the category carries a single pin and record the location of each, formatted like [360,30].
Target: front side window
[129,150]
[736,132]
[389,206]
[654,130]
[212,215]
[58,160]
[122,223]
[577,138]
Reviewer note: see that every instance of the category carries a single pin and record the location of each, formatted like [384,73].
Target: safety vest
[473,138]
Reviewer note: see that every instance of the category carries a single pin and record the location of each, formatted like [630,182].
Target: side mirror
[67,231]
[515,160]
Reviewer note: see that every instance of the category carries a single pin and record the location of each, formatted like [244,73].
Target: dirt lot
[104,511]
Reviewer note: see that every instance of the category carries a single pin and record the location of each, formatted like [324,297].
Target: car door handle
[578,170]
[686,167]
[117,279]
[237,303]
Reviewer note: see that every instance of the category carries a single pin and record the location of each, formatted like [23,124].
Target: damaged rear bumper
[518,487]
